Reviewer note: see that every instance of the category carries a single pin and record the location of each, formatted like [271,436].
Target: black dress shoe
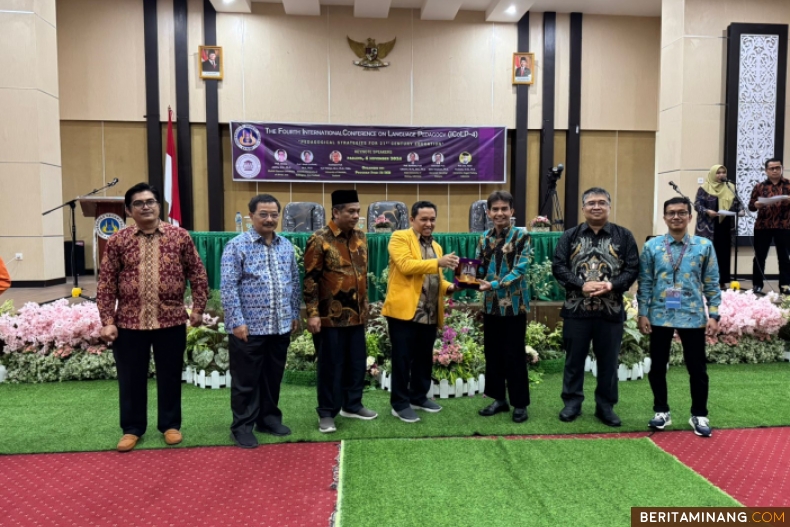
[520,415]
[494,408]
[607,416]
[275,429]
[758,291]
[570,413]
[244,439]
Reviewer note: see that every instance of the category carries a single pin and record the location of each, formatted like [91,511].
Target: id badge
[673,298]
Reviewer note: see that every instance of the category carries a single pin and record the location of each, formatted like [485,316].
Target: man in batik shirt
[145,269]
[336,299]
[504,252]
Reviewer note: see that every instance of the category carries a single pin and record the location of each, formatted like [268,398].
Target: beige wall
[455,72]
[30,166]
[298,69]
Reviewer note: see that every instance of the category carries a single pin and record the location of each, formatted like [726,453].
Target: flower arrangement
[51,327]
[746,314]
[540,222]
[207,346]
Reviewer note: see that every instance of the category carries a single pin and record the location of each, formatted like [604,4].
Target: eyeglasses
[678,213]
[150,203]
[779,167]
[266,215]
[593,204]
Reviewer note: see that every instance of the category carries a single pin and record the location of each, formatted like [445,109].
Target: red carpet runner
[748,464]
[284,485]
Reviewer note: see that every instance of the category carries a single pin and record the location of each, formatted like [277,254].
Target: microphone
[113,182]
[672,184]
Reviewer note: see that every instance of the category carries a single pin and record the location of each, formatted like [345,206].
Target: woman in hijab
[714,195]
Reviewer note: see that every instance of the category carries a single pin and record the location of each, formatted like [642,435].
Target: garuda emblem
[370,52]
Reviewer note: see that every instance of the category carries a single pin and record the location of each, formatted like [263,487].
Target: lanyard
[675,265]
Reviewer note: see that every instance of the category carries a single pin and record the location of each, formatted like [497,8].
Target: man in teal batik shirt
[677,274]
[504,252]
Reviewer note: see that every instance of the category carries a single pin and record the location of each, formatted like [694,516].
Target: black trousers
[256,371]
[132,352]
[506,361]
[762,242]
[577,333]
[722,243]
[412,362]
[342,357]
[693,354]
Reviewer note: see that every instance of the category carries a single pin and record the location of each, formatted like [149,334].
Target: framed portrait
[210,62]
[523,68]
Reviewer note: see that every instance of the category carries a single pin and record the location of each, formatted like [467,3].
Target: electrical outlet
[18,256]
[700,181]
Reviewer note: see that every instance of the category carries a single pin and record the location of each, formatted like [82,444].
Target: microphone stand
[73,205]
[741,208]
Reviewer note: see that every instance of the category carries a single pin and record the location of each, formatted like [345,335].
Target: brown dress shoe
[127,442]
[173,436]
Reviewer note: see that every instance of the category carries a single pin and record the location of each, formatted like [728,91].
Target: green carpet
[493,483]
[83,415]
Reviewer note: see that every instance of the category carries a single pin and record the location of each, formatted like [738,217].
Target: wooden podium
[96,207]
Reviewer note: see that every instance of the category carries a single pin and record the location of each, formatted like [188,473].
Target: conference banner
[324,153]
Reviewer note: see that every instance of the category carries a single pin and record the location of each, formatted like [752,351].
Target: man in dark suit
[212,64]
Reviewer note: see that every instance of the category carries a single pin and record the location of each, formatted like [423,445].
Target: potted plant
[540,224]
[383,224]
[300,365]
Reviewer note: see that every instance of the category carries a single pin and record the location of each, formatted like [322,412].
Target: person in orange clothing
[5,279]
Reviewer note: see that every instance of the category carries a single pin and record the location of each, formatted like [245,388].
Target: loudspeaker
[79,257]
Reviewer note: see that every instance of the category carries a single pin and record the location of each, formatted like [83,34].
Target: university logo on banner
[247,137]
[108,224]
[248,166]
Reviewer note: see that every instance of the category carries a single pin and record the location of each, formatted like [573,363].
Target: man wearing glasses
[261,296]
[596,262]
[773,224]
[676,272]
[144,271]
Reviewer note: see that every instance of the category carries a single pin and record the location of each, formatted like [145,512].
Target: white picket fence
[445,390]
[624,373]
[215,380]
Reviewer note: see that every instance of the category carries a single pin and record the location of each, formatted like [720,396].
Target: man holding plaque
[414,308]
[504,253]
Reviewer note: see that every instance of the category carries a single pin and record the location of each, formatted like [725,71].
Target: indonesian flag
[171,175]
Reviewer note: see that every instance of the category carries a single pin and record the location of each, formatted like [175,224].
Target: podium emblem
[108,224]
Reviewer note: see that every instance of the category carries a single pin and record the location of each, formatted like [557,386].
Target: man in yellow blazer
[415,309]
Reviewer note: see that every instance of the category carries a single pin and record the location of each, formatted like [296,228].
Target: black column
[547,128]
[572,142]
[153,125]
[184,137]
[518,164]
[216,199]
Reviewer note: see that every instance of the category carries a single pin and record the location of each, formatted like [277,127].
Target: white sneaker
[701,426]
[660,420]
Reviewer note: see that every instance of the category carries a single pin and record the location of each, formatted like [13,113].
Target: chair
[478,217]
[303,216]
[395,211]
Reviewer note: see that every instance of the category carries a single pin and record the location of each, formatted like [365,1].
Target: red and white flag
[171,175]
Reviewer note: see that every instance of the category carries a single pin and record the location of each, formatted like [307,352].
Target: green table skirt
[211,244]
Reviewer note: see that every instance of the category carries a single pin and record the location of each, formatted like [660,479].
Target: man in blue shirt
[261,296]
[504,252]
[675,272]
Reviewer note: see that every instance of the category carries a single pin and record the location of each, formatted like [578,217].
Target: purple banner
[367,154]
